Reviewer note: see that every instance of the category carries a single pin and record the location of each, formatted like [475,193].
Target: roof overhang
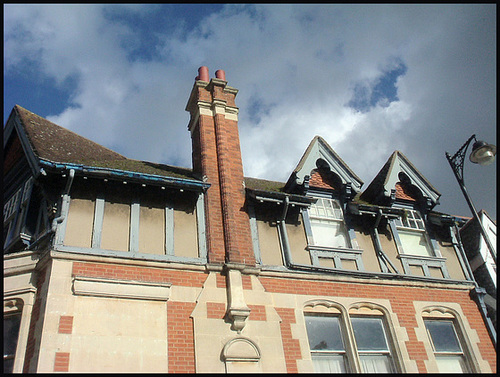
[123,175]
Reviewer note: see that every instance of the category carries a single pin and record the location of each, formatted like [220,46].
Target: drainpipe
[477,295]
[64,203]
[283,234]
[378,246]
[455,238]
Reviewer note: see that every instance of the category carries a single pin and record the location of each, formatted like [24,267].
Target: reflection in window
[326,344]
[446,345]
[372,345]
[10,335]
[327,224]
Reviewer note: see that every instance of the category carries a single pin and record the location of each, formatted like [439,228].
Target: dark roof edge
[123,174]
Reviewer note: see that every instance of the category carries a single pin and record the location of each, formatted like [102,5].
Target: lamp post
[482,154]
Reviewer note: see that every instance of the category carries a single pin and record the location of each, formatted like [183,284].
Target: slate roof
[54,143]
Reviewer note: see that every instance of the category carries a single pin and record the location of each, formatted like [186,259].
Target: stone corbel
[237,310]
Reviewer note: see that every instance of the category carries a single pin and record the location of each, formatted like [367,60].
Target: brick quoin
[216,310]
[291,346]
[61,363]
[181,357]
[401,299]
[257,313]
[65,324]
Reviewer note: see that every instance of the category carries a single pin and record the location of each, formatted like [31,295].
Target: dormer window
[327,224]
[411,231]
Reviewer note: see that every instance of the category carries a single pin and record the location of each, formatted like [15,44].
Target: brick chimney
[217,159]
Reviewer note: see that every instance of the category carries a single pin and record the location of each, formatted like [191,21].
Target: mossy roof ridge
[264,185]
[143,167]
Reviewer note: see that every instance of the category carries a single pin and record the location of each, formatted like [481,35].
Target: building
[118,265]
[481,260]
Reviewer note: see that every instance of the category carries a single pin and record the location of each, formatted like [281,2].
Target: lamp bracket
[457,161]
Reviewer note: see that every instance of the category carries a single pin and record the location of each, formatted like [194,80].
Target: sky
[369,79]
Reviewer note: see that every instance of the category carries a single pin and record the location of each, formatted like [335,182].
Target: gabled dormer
[320,168]
[322,175]
[399,181]
[400,185]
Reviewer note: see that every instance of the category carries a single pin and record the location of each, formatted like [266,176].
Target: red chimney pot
[220,74]
[203,74]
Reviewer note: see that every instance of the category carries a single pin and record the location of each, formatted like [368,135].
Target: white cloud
[299,63]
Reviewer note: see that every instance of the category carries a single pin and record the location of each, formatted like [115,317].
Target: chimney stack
[217,159]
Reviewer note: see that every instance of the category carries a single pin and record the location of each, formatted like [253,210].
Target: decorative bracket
[237,310]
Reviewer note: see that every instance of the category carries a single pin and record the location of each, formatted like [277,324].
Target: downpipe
[64,203]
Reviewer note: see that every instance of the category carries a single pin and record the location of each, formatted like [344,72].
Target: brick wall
[146,274]
[181,358]
[401,299]
[291,346]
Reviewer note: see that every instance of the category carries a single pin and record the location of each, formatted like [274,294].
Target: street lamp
[482,154]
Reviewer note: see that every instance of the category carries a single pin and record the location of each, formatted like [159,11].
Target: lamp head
[483,153]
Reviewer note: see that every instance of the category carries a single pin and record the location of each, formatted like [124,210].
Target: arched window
[349,341]
[447,340]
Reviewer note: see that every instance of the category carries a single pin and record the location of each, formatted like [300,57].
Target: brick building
[119,265]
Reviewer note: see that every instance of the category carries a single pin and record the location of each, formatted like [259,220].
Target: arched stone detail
[439,311]
[324,306]
[241,350]
[368,308]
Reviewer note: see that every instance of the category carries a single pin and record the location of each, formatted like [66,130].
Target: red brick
[65,324]
[61,363]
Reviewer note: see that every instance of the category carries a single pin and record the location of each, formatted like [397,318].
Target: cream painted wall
[185,234]
[79,223]
[270,249]
[116,226]
[152,230]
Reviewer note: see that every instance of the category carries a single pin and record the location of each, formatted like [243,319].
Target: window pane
[414,243]
[369,334]
[328,363]
[443,336]
[324,333]
[451,364]
[329,233]
[10,334]
[375,364]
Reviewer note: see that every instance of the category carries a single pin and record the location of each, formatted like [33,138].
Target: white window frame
[335,219]
[318,251]
[413,223]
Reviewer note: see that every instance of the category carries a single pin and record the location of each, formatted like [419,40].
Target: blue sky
[369,79]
